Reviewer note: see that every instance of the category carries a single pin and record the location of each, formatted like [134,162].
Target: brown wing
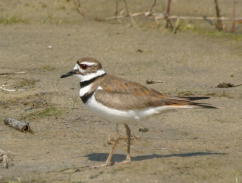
[126,95]
[117,85]
[126,101]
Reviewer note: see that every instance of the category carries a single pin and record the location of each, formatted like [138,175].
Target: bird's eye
[83,66]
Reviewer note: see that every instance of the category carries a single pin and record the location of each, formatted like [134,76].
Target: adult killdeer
[121,100]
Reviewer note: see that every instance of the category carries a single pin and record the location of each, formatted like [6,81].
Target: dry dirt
[198,145]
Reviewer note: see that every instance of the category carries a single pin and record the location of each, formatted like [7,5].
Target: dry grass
[64,11]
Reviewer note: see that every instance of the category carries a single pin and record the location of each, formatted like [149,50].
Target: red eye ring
[83,66]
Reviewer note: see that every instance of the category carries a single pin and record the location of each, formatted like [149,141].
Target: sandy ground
[198,145]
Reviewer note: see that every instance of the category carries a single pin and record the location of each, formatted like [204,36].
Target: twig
[158,16]
[117,16]
[233,28]
[208,20]
[177,25]
[161,16]
[18,125]
[4,158]
[116,8]
[133,23]
[126,7]
[122,16]
[219,24]
[9,73]
[5,161]
[78,7]
[167,13]
[150,12]
[8,90]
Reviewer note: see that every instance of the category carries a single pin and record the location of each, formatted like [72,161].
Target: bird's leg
[110,155]
[114,142]
[112,138]
[128,133]
[117,128]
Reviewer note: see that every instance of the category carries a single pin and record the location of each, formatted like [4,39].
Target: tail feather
[188,102]
[194,98]
[204,105]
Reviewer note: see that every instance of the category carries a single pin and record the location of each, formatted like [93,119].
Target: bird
[122,101]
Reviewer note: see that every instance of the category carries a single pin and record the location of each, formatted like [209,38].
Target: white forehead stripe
[88,63]
[76,67]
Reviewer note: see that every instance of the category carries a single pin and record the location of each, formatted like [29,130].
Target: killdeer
[121,100]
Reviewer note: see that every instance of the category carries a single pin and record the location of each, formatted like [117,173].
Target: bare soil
[198,145]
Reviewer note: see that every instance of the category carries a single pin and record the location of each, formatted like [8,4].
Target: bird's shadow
[121,157]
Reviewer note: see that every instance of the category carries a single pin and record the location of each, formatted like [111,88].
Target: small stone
[139,51]
[143,130]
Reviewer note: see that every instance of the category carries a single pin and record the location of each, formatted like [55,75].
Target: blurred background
[194,15]
[181,47]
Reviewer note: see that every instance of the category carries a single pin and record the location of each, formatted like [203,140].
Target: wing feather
[125,95]
[126,101]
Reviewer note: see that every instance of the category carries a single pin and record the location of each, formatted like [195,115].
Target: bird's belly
[122,115]
[108,112]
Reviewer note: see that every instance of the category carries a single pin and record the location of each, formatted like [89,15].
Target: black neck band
[86,97]
[87,82]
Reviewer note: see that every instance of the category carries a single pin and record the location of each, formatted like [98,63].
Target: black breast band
[86,97]
[87,82]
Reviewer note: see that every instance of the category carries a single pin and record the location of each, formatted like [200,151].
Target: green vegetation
[50,111]
[12,20]
[48,68]
[26,83]
[217,34]
[220,34]
[20,181]
[211,33]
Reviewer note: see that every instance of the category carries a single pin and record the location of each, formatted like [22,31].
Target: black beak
[68,74]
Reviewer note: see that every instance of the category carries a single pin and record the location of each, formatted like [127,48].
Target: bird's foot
[107,164]
[126,161]
[123,162]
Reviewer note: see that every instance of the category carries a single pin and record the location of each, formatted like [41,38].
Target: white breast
[107,112]
[85,90]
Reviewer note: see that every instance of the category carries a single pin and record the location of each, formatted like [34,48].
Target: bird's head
[86,68]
